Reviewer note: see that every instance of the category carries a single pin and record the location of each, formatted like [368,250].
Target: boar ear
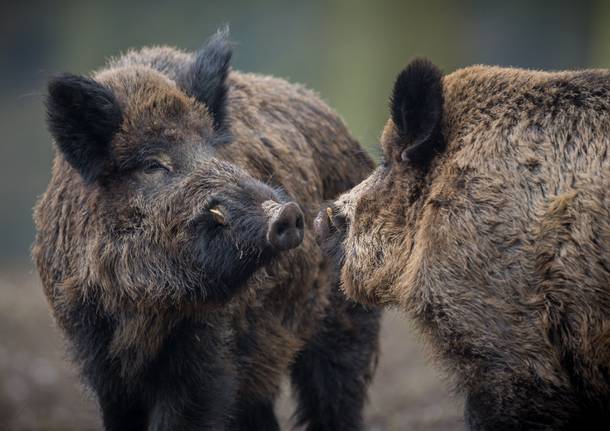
[207,76]
[83,116]
[416,107]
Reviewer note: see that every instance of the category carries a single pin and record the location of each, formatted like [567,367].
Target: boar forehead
[157,116]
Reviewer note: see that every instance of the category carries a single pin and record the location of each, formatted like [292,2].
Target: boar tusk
[329,213]
[218,215]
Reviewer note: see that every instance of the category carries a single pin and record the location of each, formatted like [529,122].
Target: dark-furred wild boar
[175,248]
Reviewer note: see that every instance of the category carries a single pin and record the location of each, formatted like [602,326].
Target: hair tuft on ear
[83,116]
[416,108]
[206,78]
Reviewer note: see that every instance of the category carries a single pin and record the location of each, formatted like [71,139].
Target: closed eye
[153,166]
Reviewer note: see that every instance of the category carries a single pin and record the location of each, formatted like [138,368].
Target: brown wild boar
[488,223]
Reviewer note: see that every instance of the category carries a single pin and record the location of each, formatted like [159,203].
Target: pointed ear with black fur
[206,78]
[416,108]
[83,116]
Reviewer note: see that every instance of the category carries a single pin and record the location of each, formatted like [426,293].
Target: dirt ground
[39,390]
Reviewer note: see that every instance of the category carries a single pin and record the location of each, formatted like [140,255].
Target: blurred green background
[347,50]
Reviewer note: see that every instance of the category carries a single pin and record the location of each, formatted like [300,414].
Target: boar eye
[153,166]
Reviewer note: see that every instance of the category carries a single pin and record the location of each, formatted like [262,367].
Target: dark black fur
[226,265]
[416,107]
[206,78]
[542,406]
[334,362]
[255,415]
[83,116]
[168,394]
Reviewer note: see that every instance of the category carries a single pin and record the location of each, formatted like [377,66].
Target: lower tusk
[219,217]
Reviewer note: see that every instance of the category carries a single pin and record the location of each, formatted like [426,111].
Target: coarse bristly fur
[151,245]
[497,241]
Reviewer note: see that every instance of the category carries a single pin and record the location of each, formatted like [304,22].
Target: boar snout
[286,224]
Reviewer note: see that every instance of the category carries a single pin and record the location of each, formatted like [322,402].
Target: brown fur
[499,249]
[95,245]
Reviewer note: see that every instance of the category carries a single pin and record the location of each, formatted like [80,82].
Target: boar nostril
[286,227]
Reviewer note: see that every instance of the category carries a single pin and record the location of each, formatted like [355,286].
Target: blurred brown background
[348,50]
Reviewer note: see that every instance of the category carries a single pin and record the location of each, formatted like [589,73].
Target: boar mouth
[330,228]
[231,243]
[246,234]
